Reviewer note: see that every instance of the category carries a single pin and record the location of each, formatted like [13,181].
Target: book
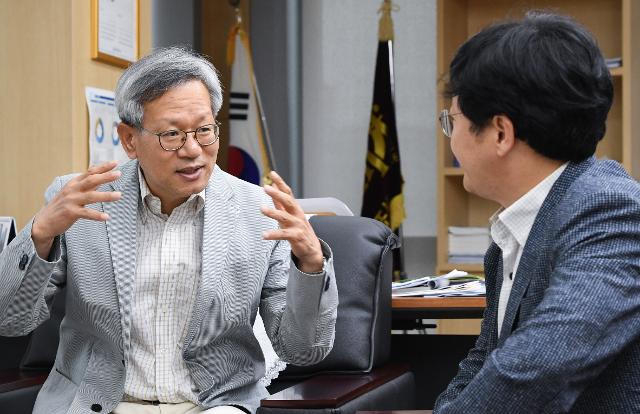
[465,231]
[614,62]
[468,244]
[466,258]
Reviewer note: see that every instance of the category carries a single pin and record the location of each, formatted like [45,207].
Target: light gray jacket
[241,272]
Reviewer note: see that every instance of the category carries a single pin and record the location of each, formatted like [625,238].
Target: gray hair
[152,76]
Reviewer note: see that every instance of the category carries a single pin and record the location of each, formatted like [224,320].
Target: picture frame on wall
[115,31]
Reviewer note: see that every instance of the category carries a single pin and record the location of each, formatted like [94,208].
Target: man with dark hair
[561,332]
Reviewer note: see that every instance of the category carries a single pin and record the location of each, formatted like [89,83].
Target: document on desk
[455,283]
[432,281]
[475,288]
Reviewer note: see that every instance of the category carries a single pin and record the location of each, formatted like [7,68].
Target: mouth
[190,173]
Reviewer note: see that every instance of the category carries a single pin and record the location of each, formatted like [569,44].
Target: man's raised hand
[69,205]
[294,226]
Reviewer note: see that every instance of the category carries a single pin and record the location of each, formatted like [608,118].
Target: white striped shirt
[168,269]
[510,230]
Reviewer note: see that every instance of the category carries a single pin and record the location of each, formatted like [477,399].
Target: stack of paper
[455,283]
[468,244]
[614,62]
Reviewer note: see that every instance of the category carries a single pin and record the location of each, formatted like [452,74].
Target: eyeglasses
[174,139]
[446,122]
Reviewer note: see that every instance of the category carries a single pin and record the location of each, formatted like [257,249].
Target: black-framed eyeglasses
[174,139]
[446,122]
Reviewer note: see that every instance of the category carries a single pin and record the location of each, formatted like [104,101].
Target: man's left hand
[294,226]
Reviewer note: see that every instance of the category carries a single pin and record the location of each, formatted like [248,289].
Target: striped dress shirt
[168,269]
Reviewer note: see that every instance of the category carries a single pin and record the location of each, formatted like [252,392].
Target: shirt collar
[150,204]
[519,217]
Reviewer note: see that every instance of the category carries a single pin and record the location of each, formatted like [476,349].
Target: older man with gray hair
[166,260]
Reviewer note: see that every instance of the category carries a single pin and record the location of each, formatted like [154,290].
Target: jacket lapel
[220,217]
[536,251]
[121,231]
[493,280]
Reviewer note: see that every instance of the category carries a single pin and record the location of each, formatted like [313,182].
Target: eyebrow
[174,121]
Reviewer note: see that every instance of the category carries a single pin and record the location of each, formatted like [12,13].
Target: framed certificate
[115,31]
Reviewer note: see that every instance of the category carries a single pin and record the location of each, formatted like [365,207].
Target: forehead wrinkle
[180,121]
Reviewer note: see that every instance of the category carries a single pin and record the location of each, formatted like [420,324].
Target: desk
[438,308]
[433,358]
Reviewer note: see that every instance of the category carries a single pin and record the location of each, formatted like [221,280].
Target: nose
[191,148]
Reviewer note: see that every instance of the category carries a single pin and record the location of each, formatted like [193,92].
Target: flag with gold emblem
[383,198]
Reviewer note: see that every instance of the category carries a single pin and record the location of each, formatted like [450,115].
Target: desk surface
[438,303]
[438,308]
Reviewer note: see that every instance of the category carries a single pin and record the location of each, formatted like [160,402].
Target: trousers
[179,408]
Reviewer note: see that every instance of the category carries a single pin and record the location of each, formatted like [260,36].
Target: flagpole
[263,119]
[385,33]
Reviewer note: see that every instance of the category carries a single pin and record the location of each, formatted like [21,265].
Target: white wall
[339,53]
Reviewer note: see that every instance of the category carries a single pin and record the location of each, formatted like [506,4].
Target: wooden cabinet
[611,22]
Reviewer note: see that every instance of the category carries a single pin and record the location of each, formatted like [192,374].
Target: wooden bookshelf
[611,22]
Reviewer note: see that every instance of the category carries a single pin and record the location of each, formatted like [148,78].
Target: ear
[505,134]
[126,133]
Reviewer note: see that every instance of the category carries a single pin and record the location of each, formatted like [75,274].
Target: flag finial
[385,26]
[236,6]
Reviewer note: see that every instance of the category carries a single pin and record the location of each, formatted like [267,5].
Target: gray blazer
[241,272]
[570,340]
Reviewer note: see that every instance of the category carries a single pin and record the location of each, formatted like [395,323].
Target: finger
[92,181]
[282,217]
[280,183]
[100,168]
[101,197]
[286,201]
[91,214]
[269,189]
[302,246]
[290,234]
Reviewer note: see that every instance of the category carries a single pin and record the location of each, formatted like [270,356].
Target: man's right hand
[69,205]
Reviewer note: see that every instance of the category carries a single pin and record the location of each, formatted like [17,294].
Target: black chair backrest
[363,266]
